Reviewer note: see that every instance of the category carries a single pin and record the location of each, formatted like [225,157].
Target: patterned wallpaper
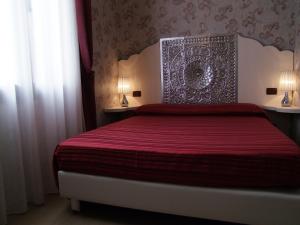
[105,43]
[143,22]
[125,27]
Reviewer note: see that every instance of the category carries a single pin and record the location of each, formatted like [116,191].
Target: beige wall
[297,40]
[125,27]
[297,50]
[297,68]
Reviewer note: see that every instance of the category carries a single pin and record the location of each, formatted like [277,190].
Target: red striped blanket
[220,146]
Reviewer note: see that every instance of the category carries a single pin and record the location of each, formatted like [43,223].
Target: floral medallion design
[200,69]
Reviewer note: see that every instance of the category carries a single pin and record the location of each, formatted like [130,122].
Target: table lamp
[287,83]
[123,88]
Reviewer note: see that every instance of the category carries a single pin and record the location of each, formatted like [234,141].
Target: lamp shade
[123,85]
[287,81]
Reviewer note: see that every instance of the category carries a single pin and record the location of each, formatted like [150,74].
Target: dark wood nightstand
[114,114]
[287,119]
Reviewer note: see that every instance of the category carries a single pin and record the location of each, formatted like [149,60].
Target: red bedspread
[218,146]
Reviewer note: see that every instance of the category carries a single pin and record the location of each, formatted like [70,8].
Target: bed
[225,162]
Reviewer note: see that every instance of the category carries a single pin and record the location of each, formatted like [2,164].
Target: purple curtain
[84,27]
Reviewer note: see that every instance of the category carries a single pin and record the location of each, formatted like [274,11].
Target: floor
[56,211]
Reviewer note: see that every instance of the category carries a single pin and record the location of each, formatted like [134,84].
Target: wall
[143,22]
[297,40]
[125,27]
[297,68]
[105,39]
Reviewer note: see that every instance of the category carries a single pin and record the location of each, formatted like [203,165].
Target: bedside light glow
[287,83]
[124,88]
[123,85]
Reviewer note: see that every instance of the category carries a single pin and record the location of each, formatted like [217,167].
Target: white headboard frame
[258,68]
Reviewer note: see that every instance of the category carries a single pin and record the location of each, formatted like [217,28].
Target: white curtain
[40,96]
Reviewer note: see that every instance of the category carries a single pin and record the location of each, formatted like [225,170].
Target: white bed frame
[257,207]
[258,68]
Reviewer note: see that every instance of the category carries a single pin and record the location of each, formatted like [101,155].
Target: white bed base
[233,205]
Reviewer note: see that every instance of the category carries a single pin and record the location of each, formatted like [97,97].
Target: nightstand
[117,113]
[287,119]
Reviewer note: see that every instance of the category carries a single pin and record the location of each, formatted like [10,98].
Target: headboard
[258,67]
[199,69]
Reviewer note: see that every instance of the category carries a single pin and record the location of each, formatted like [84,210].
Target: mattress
[232,145]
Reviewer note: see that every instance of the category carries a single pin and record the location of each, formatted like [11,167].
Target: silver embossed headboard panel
[199,69]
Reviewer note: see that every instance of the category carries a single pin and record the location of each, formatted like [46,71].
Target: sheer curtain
[40,96]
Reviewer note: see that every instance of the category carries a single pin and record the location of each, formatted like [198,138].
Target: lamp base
[124,102]
[286,102]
